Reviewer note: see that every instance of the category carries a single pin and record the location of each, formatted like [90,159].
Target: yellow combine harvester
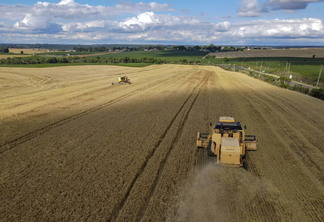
[228,141]
[122,80]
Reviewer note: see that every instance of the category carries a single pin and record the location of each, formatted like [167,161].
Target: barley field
[74,147]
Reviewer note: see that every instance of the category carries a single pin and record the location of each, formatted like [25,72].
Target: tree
[180,48]
[197,48]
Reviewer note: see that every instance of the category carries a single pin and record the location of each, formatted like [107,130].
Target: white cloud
[141,22]
[75,23]
[69,9]
[41,16]
[37,24]
[149,20]
[151,27]
[146,26]
[306,28]
[95,25]
[65,2]
[222,26]
[249,8]
[127,7]
[279,28]
[288,4]
[13,12]
[166,28]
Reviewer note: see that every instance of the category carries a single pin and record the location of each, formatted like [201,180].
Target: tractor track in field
[269,208]
[7,146]
[202,157]
[174,142]
[140,214]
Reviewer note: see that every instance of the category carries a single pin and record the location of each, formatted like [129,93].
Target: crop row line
[174,142]
[119,207]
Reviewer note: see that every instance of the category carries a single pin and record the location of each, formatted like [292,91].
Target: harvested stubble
[74,147]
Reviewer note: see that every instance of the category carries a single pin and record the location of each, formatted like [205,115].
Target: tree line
[51,60]
[116,48]
[208,48]
[4,50]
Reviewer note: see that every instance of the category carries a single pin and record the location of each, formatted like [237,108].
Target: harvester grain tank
[228,141]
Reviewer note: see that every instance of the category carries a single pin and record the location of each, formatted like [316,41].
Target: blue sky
[231,22]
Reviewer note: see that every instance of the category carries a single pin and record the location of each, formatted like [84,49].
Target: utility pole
[261,67]
[288,68]
[319,76]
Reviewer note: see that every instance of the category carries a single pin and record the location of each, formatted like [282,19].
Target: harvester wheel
[209,151]
[246,165]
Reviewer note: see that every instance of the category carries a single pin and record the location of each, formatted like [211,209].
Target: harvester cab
[228,141]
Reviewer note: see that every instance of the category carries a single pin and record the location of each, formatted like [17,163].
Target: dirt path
[73,147]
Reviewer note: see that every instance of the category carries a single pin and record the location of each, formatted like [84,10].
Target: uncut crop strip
[296,167]
[22,139]
[290,130]
[188,102]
